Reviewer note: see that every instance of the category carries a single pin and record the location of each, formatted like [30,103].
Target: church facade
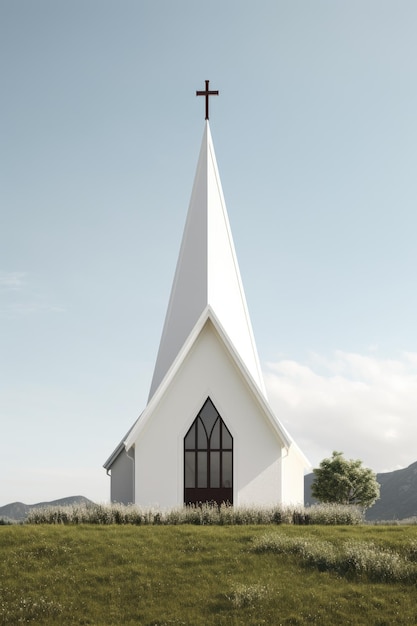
[207,433]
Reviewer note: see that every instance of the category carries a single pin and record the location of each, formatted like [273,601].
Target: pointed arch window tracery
[208,458]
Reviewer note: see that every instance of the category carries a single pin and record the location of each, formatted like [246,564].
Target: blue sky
[315,134]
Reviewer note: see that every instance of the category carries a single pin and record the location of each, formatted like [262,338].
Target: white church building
[208,433]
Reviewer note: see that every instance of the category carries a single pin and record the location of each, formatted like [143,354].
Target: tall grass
[197,515]
[364,559]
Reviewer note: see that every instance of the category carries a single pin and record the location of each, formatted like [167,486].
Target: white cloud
[19,297]
[363,405]
[12,281]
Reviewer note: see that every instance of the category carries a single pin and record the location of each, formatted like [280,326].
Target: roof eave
[208,314]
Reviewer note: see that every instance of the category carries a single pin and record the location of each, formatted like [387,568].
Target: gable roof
[209,315]
[119,448]
[207,275]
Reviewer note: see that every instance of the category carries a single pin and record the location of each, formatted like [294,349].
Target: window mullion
[221,454]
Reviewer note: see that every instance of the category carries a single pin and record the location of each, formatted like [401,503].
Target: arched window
[208,459]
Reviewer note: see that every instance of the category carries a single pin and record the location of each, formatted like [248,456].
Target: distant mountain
[18,511]
[398,495]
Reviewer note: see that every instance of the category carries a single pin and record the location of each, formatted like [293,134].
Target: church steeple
[207,275]
[207,379]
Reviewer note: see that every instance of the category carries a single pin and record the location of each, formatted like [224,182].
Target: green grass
[197,575]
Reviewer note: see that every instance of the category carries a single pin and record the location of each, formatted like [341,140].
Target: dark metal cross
[207,93]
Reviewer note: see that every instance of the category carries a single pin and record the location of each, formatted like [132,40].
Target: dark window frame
[200,481]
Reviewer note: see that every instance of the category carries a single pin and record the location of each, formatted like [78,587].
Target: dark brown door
[208,459]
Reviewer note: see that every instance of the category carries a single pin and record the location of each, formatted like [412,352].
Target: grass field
[205,575]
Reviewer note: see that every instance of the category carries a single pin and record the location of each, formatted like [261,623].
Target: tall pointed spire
[207,274]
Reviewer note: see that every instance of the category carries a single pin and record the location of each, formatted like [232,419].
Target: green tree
[344,481]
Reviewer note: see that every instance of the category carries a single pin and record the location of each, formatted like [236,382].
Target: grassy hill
[208,575]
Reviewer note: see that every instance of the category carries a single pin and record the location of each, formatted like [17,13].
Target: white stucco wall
[208,370]
[293,465]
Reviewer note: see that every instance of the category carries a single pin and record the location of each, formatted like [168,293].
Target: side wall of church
[293,465]
[208,370]
[122,479]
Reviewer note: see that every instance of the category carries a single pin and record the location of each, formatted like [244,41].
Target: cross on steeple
[207,93]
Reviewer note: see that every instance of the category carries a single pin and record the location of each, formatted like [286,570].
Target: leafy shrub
[344,481]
